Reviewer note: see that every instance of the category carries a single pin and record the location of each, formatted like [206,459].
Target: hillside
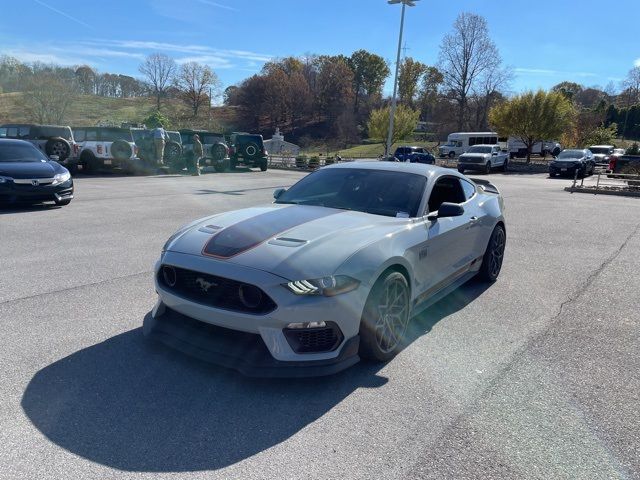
[91,110]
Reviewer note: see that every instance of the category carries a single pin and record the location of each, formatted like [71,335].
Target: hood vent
[209,229]
[287,242]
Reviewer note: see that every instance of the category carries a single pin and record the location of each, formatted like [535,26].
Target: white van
[458,143]
[517,148]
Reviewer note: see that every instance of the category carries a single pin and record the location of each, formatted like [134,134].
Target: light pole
[405,3]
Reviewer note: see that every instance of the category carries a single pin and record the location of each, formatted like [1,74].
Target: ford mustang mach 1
[331,272]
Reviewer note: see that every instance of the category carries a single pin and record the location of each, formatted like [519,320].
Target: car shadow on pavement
[135,405]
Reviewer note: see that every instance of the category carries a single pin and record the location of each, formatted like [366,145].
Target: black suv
[214,148]
[53,140]
[247,149]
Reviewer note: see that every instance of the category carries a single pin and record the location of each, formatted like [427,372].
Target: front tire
[385,318]
[493,256]
[452,155]
[487,168]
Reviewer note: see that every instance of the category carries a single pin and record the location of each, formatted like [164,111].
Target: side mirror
[55,158]
[447,210]
[494,154]
[278,192]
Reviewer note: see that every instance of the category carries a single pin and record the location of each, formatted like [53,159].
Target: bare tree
[195,82]
[48,96]
[466,54]
[489,89]
[159,70]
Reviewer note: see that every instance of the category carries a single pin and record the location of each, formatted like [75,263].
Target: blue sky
[544,41]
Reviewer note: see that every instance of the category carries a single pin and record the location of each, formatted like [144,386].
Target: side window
[91,135]
[79,135]
[468,188]
[24,131]
[12,132]
[472,141]
[446,189]
[459,143]
[3,131]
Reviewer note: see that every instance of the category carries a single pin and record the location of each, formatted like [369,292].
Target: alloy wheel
[496,252]
[393,315]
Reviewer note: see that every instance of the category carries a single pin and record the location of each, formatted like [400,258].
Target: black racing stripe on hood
[253,231]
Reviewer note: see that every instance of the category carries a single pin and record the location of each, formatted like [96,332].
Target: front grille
[314,340]
[215,291]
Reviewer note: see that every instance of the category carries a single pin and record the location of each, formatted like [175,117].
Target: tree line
[336,97]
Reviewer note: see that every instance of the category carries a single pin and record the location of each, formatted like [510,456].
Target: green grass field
[366,150]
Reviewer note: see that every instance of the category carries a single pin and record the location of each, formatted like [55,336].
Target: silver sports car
[331,272]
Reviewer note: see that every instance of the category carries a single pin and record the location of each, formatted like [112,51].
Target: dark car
[28,176]
[51,139]
[404,152]
[426,158]
[247,149]
[568,162]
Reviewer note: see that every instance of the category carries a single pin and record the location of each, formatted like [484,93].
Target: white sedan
[331,272]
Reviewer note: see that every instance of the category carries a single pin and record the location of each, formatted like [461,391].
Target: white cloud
[218,5]
[192,50]
[42,56]
[637,62]
[211,60]
[64,14]
[553,73]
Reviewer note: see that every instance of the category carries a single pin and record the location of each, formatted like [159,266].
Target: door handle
[473,219]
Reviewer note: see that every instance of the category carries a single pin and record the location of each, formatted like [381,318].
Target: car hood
[292,241]
[475,155]
[29,169]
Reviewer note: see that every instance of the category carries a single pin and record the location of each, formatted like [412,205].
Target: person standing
[198,153]
[159,137]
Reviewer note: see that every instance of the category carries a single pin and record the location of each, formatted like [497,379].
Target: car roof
[428,171]
[601,146]
[14,141]
[484,145]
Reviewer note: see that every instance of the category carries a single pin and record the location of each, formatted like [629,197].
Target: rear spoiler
[486,185]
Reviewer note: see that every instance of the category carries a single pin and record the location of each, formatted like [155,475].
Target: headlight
[61,178]
[327,286]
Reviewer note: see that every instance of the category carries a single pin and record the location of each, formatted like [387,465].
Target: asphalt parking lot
[536,376]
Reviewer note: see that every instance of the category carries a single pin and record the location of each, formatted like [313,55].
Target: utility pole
[405,3]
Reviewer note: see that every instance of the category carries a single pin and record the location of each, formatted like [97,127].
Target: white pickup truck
[483,158]
[104,148]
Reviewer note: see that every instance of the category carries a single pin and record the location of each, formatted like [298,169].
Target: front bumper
[480,167]
[20,193]
[344,311]
[245,352]
[569,170]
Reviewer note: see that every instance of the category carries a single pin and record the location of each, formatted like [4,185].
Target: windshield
[479,149]
[600,150]
[402,150]
[380,192]
[20,153]
[571,154]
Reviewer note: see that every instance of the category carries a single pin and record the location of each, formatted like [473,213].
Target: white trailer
[459,142]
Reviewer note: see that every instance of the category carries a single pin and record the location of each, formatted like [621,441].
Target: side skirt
[426,301]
